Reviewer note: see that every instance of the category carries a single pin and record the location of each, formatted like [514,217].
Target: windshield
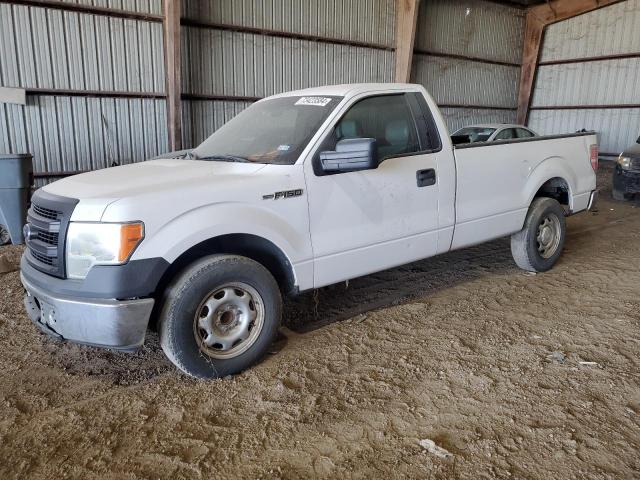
[270,131]
[476,134]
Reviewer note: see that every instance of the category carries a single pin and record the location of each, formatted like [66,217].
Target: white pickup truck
[300,190]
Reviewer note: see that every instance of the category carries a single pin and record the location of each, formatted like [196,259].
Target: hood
[154,178]
[144,177]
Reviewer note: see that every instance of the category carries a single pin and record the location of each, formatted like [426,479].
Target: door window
[387,118]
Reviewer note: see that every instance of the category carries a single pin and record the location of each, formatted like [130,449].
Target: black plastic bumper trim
[135,279]
[626,181]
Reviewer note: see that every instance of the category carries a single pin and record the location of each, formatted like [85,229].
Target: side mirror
[350,155]
[460,139]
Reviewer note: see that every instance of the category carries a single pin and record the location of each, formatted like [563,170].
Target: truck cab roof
[350,89]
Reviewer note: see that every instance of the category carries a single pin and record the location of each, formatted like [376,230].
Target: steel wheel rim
[548,236]
[229,320]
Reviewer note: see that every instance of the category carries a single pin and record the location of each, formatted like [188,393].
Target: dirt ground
[463,349]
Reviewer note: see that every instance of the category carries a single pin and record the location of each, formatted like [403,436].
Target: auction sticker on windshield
[319,101]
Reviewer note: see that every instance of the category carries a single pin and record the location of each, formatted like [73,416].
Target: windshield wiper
[224,158]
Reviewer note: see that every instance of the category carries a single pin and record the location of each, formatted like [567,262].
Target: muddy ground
[463,349]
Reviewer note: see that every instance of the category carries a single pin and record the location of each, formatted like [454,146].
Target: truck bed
[496,181]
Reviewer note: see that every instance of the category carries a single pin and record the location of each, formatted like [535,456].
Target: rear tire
[537,247]
[219,316]
[621,196]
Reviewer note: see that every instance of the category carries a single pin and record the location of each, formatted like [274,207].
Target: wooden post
[406,19]
[532,40]
[538,18]
[172,62]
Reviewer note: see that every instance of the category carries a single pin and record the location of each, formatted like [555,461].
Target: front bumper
[626,181]
[119,324]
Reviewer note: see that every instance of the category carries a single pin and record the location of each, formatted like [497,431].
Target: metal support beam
[91,9]
[172,62]
[538,18]
[227,27]
[406,19]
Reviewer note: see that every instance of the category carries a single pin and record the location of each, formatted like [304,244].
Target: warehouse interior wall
[589,77]
[237,51]
[95,86]
[467,55]
[95,81]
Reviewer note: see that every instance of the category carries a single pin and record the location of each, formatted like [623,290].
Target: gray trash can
[16,178]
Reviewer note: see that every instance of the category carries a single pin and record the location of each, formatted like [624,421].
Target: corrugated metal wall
[358,20]
[67,134]
[260,61]
[58,51]
[238,49]
[242,64]
[45,48]
[605,91]
[467,55]
[96,81]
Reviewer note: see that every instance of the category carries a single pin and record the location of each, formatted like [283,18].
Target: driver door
[365,221]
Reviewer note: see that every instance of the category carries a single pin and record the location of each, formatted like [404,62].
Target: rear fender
[552,167]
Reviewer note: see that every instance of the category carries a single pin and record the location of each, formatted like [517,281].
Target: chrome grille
[46,212]
[42,258]
[48,237]
[47,222]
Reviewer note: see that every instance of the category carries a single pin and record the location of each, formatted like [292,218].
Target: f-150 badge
[286,194]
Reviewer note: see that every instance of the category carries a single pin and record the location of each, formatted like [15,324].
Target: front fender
[195,226]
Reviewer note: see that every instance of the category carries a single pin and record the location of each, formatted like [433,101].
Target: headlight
[624,162]
[90,244]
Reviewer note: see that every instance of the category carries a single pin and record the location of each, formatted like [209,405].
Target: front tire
[5,238]
[537,247]
[219,316]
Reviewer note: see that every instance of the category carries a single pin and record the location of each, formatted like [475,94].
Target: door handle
[425,178]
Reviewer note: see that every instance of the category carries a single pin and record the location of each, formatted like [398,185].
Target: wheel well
[557,188]
[250,246]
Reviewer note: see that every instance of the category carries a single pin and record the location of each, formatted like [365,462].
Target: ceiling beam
[406,19]
[172,63]
[558,10]
[537,19]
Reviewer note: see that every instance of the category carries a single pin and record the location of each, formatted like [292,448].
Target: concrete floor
[464,350]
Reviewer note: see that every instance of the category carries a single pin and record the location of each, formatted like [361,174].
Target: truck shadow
[312,310]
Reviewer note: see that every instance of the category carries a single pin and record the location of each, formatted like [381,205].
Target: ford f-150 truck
[300,190]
